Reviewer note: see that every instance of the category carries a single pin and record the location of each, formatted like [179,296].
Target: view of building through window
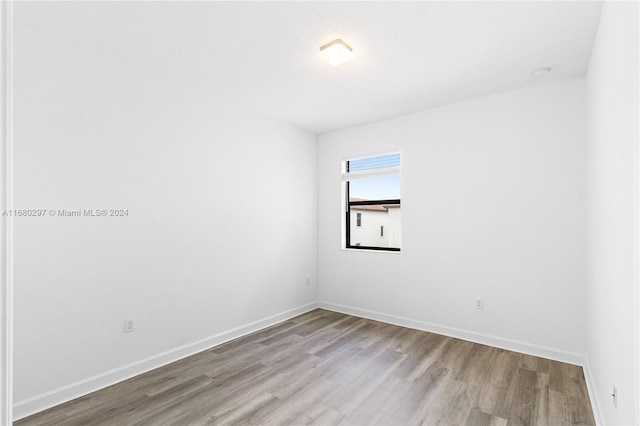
[373,203]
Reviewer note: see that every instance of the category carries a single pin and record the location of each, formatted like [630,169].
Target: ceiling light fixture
[541,73]
[336,52]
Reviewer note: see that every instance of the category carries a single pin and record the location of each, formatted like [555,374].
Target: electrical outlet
[614,395]
[128,325]
[308,281]
[479,304]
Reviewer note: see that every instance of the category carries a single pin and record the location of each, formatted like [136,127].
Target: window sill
[371,251]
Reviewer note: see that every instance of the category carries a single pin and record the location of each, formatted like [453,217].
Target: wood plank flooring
[328,368]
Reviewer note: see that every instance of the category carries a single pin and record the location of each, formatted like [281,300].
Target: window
[372,202]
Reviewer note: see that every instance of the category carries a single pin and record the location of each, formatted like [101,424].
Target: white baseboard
[50,399]
[593,395]
[484,339]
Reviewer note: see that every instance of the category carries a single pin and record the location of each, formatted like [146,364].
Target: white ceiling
[409,56]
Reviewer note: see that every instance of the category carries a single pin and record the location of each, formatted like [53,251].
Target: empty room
[323,212]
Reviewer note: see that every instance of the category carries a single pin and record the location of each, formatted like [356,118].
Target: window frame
[349,204]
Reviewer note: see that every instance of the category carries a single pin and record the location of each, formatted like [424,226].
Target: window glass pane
[379,226]
[377,188]
[370,163]
[375,180]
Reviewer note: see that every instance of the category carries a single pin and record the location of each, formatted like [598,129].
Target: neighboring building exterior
[377,226]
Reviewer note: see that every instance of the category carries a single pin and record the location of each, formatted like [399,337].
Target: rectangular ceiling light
[336,52]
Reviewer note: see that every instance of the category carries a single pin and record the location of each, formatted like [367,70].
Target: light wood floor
[329,368]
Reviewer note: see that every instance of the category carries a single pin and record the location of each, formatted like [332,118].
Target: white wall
[612,197]
[493,206]
[6,240]
[221,229]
